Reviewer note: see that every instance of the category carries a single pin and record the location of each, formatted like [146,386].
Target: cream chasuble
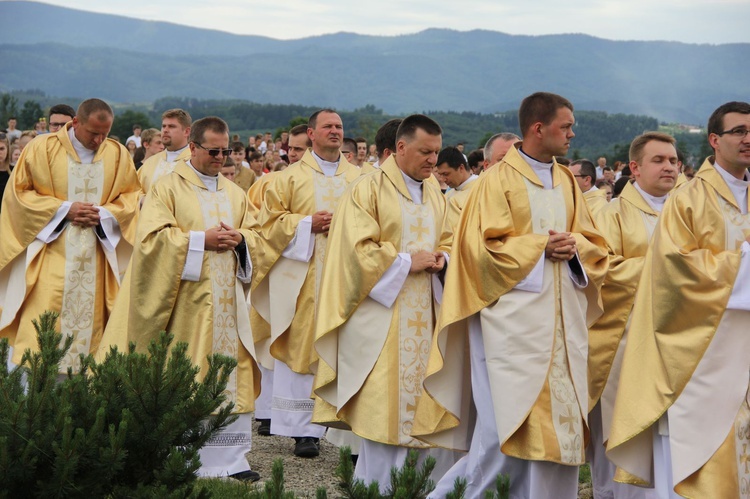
[157,166]
[596,200]
[293,194]
[203,313]
[686,355]
[373,358]
[535,341]
[74,273]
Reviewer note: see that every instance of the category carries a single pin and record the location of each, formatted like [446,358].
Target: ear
[635,168]
[713,140]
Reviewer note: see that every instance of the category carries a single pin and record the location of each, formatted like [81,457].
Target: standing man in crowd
[455,173]
[59,116]
[296,215]
[681,420]
[76,192]
[497,146]
[12,132]
[175,131]
[373,333]
[627,224]
[192,265]
[584,172]
[522,287]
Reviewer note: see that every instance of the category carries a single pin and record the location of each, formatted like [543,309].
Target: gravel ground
[303,476]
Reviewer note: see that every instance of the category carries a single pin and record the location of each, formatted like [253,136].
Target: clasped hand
[83,214]
[222,238]
[431,262]
[561,246]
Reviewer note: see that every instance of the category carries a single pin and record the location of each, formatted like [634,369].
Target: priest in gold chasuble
[297,209]
[627,223]
[66,232]
[192,266]
[681,419]
[377,304]
[522,287]
[175,131]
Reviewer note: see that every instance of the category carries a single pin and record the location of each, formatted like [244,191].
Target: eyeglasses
[214,152]
[347,152]
[739,132]
[58,125]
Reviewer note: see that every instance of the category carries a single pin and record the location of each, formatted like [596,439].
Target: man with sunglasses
[681,419]
[296,214]
[190,274]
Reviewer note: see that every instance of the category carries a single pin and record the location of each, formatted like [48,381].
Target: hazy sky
[691,21]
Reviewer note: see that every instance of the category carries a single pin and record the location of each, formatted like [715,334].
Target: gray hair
[506,136]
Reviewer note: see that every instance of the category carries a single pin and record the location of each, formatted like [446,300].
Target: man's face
[202,160]
[155,146]
[11,124]
[583,182]
[297,147]
[460,147]
[268,138]
[733,152]
[361,151]
[656,172]
[602,162]
[349,153]
[418,156]
[93,131]
[499,149]
[137,132]
[452,177]
[608,175]
[229,172]
[284,137]
[251,141]
[57,121]
[556,136]
[238,156]
[328,133]
[256,165]
[174,136]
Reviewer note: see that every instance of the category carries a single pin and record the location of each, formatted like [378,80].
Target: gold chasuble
[373,358]
[257,193]
[74,274]
[287,289]
[627,223]
[687,353]
[156,167]
[245,178]
[596,200]
[535,341]
[209,314]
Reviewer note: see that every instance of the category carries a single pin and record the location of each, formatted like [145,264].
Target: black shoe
[246,476]
[264,429]
[306,447]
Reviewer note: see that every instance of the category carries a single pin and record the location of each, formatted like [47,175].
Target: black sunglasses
[215,152]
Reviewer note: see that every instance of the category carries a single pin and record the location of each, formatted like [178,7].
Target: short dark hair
[452,157]
[63,109]
[90,107]
[255,155]
[475,157]
[635,153]
[716,121]
[137,127]
[352,143]
[587,169]
[213,123]
[298,130]
[562,160]
[237,146]
[385,138]
[360,139]
[540,107]
[409,126]
[312,122]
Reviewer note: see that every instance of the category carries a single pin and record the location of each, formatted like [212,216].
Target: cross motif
[217,213]
[82,260]
[226,300]
[420,229]
[330,198]
[86,190]
[417,323]
[744,459]
[568,419]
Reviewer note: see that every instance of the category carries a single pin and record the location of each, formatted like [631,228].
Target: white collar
[542,170]
[173,155]
[414,187]
[329,167]
[655,202]
[211,183]
[84,154]
[737,186]
[466,182]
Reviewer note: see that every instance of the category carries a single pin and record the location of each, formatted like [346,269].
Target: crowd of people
[506,311]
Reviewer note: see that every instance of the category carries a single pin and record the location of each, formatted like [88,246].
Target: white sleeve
[302,245]
[111,229]
[244,273]
[533,282]
[740,297]
[580,280]
[194,260]
[48,234]
[388,287]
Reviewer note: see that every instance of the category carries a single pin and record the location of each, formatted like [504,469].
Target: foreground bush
[130,426]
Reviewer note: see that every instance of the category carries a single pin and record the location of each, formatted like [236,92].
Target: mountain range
[68,52]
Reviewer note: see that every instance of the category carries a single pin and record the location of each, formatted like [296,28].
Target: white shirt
[173,155]
[655,202]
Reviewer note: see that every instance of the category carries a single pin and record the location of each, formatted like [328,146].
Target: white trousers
[263,402]
[663,482]
[291,407]
[224,454]
[484,462]
[376,460]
